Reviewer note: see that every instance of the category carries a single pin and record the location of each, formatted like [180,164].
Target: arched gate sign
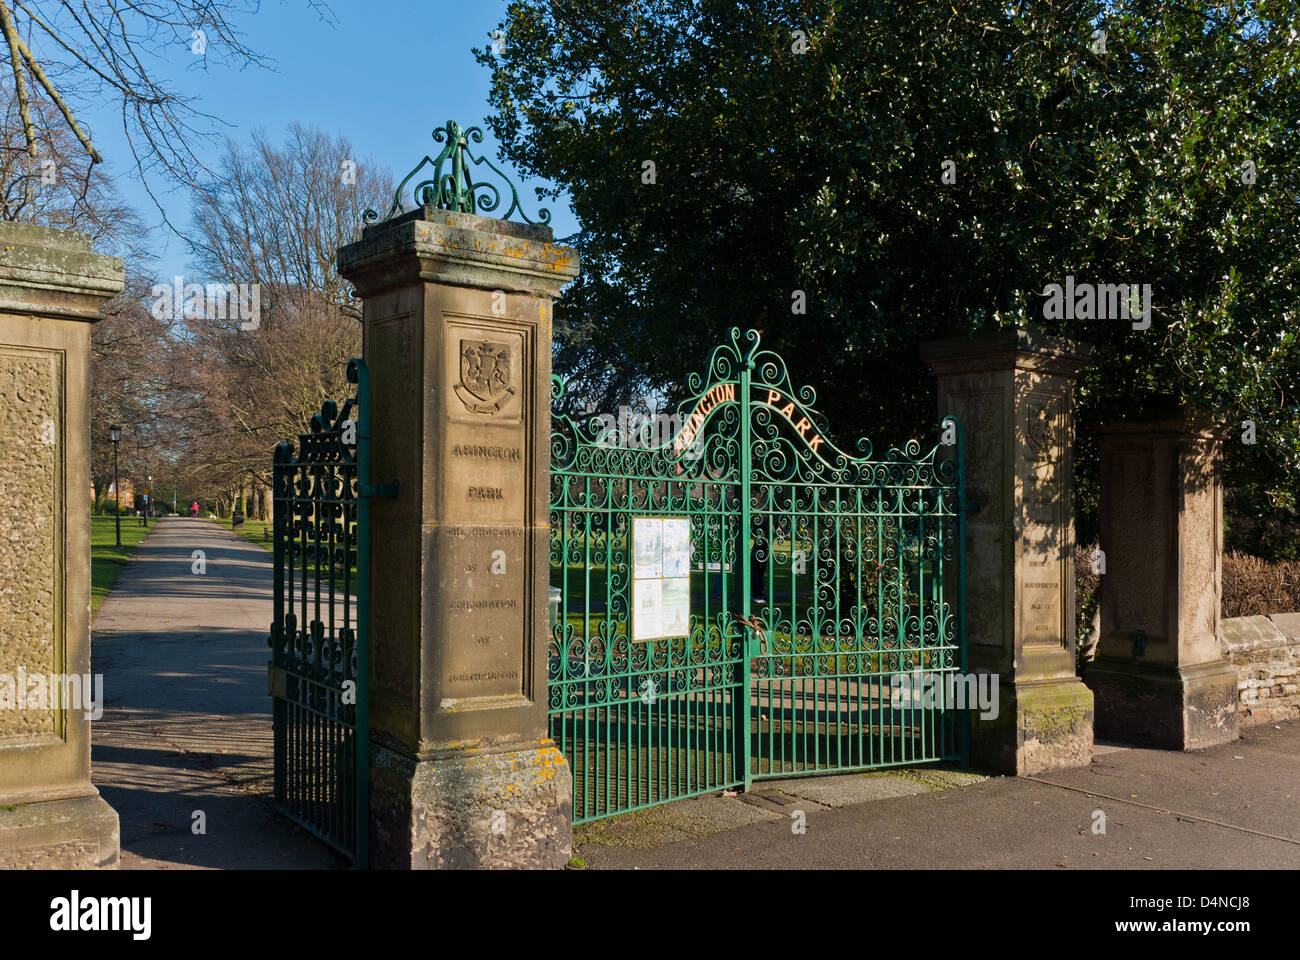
[738,599]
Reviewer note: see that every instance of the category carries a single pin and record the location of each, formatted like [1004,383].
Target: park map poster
[661,581]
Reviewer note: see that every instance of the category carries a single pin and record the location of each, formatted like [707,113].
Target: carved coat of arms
[1040,431]
[484,375]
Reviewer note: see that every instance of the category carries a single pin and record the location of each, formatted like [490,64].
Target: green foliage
[1259,522]
[820,171]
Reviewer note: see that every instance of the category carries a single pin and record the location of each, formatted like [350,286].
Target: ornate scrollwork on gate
[450,185]
[835,559]
[314,639]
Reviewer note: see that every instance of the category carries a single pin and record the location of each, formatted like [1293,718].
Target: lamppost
[115,434]
[149,486]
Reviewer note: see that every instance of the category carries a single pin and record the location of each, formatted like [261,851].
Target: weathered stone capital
[54,273]
[1175,422]
[458,249]
[1020,348]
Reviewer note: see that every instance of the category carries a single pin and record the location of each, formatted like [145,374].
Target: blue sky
[384,76]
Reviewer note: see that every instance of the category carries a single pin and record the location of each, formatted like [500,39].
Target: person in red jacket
[194,509]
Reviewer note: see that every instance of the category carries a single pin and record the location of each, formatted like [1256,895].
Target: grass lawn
[107,559]
[252,530]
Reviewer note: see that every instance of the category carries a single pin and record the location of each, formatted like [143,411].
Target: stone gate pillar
[51,289]
[457,333]
[1161,677]
[1012,391]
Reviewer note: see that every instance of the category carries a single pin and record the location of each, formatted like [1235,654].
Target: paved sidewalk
[187,722]
[1233,806]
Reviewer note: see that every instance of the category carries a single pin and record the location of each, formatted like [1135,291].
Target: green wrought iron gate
[319,654]
[736,594]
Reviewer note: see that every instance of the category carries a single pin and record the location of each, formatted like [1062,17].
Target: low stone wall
[1266,653]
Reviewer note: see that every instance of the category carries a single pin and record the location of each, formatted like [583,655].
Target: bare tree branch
[77,52]
[20,85]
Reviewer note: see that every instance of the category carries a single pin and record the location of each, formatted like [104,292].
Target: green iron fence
[319,654]
[792,583]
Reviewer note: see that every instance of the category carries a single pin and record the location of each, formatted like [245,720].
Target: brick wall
[128,494]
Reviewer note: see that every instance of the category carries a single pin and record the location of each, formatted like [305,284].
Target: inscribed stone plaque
[485,445]
[484,610]
[1139,552]
[983,414]
[485,367]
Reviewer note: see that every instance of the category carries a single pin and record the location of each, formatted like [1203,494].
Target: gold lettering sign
[722,393]
[803,426]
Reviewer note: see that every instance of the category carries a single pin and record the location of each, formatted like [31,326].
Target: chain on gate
[734,597]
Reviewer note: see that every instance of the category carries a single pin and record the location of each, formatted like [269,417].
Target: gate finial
[456,189]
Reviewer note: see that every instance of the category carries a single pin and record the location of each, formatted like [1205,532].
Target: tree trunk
[264,502]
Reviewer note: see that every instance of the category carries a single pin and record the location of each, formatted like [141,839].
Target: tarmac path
[187,719]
